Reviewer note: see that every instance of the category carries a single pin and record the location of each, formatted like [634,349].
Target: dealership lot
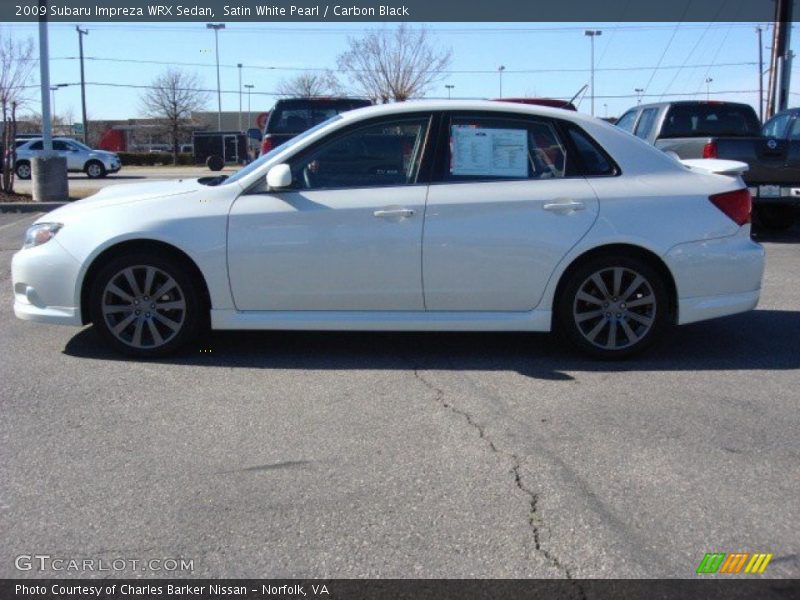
[405,455]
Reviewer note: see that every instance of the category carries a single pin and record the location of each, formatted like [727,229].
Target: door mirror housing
[279,177]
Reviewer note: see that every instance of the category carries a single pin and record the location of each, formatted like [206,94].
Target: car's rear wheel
[612,307]
[145,306]
[94,169]
[23,170]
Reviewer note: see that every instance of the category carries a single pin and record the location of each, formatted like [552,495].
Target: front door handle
[564,206]
[394,213]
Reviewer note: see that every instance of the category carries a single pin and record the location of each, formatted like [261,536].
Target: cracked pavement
[405,455]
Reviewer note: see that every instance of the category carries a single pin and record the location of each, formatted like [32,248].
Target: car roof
[690,103]
[413,106]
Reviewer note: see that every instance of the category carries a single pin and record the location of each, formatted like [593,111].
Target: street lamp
[592,33]
[449,87]
[708,88]
[249,87]
[239,66]
[216,27]
[53,90]
[639,92]
[500,70]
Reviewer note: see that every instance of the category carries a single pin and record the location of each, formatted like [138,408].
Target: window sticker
[489,152]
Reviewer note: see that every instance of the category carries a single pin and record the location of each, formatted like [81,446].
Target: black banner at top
[389,10]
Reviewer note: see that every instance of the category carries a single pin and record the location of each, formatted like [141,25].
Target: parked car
[728,130]
[95,163]
[555,103]
[774,161]
[429,215]
[292,116]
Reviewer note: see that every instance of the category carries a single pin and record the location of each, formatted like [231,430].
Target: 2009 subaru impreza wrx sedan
[445,216]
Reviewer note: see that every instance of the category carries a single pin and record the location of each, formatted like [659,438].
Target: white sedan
[434,216]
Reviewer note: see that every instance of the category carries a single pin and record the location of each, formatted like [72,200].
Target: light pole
[708,88]
[449,87]
[81,33]
[605,108]
[592,33]
[639,92]
[239,66]
[500,70]
[216,27]
[53,90]
[249,87]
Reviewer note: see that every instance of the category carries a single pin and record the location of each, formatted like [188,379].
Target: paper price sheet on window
[492,152]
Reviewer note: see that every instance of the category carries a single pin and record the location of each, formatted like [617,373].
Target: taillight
[710,150]
[266,144]
[736,205]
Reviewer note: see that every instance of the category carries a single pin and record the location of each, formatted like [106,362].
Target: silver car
[95,163]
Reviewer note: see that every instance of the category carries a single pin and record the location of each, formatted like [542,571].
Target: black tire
[94,169]
[576,320]
[774,217]
[23,169]
[215,162]
[192,318]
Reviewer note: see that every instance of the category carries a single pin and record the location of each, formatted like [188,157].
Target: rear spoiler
[716,166]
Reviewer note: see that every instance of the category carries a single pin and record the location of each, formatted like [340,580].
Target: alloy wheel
[615,308]
[143,307]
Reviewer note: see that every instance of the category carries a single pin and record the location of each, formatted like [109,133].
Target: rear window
[296,117]
[710,120]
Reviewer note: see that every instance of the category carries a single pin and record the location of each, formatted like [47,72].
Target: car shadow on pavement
[762,339]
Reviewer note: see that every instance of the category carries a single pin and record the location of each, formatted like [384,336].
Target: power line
[444,71]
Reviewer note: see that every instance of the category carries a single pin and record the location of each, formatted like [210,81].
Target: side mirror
[279,177]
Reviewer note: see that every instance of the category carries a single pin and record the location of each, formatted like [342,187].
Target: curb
[29,207]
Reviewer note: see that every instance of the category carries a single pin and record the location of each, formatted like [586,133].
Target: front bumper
[717,277]
[45,282]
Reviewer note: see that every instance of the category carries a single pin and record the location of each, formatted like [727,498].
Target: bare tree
[394,64]
[16,65]
[174,96]
[308,85]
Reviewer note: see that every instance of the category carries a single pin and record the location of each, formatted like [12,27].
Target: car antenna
[580,91]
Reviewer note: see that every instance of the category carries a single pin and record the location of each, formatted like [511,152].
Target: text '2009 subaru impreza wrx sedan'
[437,216]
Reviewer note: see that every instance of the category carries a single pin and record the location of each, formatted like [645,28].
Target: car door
[347,235]
[76,157]
[504,208]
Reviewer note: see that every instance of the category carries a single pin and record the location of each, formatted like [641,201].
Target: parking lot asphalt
[81,186]
[405,455]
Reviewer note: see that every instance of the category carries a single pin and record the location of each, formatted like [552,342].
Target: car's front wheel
[146,306]
[95,169]
[613,307]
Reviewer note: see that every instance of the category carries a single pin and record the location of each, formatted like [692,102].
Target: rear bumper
[718,277]
[789,196]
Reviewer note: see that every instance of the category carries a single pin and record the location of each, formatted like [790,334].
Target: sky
[540,59]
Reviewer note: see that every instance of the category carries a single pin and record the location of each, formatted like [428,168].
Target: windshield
[79,145]
[264,158]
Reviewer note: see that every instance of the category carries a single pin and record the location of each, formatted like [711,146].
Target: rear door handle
[394,213]
[564,206]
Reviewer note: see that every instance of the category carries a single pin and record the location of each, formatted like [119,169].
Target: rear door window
[646,123]
[487,147]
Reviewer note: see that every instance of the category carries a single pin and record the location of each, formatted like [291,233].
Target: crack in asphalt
[534,517]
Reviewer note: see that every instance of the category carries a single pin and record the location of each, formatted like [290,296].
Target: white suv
[95,163]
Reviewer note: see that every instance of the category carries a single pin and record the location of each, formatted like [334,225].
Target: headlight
[41,233]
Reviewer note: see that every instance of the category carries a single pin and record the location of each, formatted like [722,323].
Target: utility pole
[239,66]
[216,27]
[760,75]
[592,33]
[81,33]
[249,87]
[780,60]
[639,92]
[708,88]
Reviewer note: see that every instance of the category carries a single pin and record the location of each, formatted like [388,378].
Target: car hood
[103,154]
[127,193]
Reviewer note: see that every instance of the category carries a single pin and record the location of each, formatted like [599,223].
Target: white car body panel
[340,267]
